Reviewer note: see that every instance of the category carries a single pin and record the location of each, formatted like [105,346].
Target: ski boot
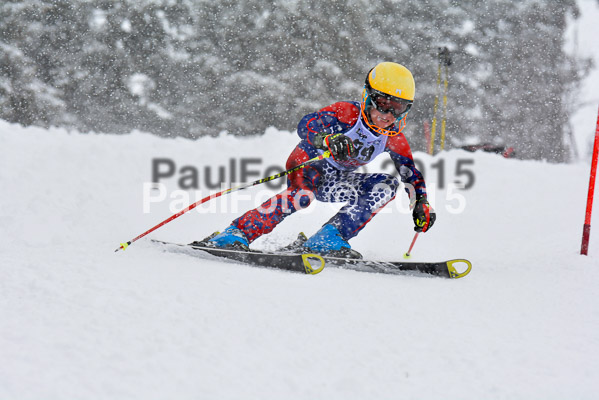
[230,238]
[329,242]
[297,246]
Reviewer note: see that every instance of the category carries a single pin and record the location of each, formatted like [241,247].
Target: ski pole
[446,60]
[431,148]
[221,193]
[408,255]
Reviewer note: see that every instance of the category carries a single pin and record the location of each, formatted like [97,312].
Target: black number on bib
[365,152]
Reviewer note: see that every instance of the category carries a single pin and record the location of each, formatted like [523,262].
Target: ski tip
[453,272]
[308,266]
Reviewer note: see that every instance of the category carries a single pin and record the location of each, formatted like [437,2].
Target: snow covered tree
[193,68]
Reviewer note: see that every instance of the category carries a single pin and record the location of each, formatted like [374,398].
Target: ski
[314,263]
[306,263]
[445,269]
[452,269]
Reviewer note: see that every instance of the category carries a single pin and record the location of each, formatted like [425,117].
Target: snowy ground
[80,321]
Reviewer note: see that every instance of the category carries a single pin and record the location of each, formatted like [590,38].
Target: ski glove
[341,147]
[423,214]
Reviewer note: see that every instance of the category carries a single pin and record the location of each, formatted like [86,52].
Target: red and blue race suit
[332,180]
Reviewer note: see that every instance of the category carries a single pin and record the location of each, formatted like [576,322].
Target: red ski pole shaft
[407,255]
[586,230]
[221,193]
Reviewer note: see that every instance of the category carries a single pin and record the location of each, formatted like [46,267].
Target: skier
[354,133]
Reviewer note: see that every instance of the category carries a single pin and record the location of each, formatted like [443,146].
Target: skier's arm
[336,118]
[401,154]
[422,213]
[410,176]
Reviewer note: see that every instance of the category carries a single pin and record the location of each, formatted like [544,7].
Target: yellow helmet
[389,87]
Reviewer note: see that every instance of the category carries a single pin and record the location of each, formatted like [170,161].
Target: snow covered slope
[80,321]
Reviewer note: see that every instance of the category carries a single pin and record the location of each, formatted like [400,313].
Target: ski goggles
[389,104]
